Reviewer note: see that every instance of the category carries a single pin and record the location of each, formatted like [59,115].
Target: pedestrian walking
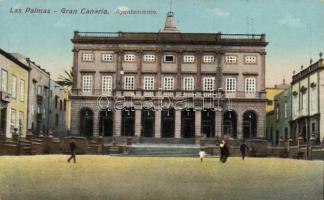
[243,147]
[73,150]
[202,154]
[224,152]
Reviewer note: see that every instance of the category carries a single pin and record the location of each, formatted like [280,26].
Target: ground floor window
[167,123]
[187,123]
[106,123]
[208,123]
[230,123]
[86,122]
[148,123]
[249,124]
[128,122]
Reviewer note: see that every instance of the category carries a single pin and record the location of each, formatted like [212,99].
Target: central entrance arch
[208,123]
[167,123]
[148,123]
[128,122]
[230,123]
[188,123]
[106,123]
[86,122]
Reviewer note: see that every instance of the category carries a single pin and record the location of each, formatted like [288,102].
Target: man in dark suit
[243,147]
[73,150]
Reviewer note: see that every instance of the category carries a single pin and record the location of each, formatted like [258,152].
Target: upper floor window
[208,59]
[129,57]
[148,83]
[277,112]
[86,83]
[87,57]
[286,110]
[169,58]
[4,80]
[129,82]
[12,120]
[21,90]
[250,59]
[188,58]
[149,58]
[107,57]
[209,83]
[188,83]
[13,86]
[106,83]
[230,59]
[168,83]
[250,85]
[230,85]
[39,90]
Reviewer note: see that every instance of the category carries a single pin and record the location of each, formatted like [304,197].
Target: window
[12,120]
[209,83]
[45,92]
[21,90]
[129,82]
[20,121]
[106,84]
[230,59]
[230,85]
[88,57]
[168,83]
[169,58]
[313,127]
[188,83]
[13,86]
[149,58]
[208,59]
[269,102]
[86,83]
[56,101]
[286,112]
[65,104]
[4,80]
[148,83]
[107,57]
[188,58]
[32,110]
[277,112]
[34,87]
[250,59]
[129,57]
[250,85]
[39,90]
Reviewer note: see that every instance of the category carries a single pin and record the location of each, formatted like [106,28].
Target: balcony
[95,93]
[6,97]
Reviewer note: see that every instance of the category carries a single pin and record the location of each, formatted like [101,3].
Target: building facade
[14,95]
[272,92]
[208,84]
[278,120]
[308,101]
[58,110]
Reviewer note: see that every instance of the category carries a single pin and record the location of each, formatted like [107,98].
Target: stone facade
[226,72]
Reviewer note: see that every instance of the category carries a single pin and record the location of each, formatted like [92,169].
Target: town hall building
[168,84]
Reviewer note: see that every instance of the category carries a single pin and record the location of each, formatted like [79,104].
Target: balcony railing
[168,93]
[4,96]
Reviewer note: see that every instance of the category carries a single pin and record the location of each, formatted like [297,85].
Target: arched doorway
[86,122]
[167,123]
[106,123]
[187,123]
[148,123]
[128,122]
[249,124]
[208,123]
[230,123]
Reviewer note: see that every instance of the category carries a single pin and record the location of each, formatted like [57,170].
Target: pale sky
[293,28]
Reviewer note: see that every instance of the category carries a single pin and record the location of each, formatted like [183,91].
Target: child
[202,154]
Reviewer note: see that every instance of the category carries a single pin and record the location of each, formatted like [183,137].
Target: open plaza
[109,177]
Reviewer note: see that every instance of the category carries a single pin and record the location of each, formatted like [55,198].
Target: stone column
[178,124]
[260,124]
[95,123]
[198,123]
[157,124]
[218,123]
[138,125]
[139,70]
[158,74]
[178,77]
[75,118]
[239,125]
[117,120]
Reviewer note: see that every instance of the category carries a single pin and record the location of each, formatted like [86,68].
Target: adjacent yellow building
[272,92]
[13,95]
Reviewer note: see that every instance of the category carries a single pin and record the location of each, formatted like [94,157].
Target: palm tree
[66,80]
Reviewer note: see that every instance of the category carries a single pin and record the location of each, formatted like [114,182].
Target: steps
[164,150]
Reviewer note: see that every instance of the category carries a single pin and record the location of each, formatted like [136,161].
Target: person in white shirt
[202,154]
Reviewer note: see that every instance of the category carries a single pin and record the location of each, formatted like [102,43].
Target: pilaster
[157,124]
[117,120]
[197,123]
[138,116]
[178,124]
